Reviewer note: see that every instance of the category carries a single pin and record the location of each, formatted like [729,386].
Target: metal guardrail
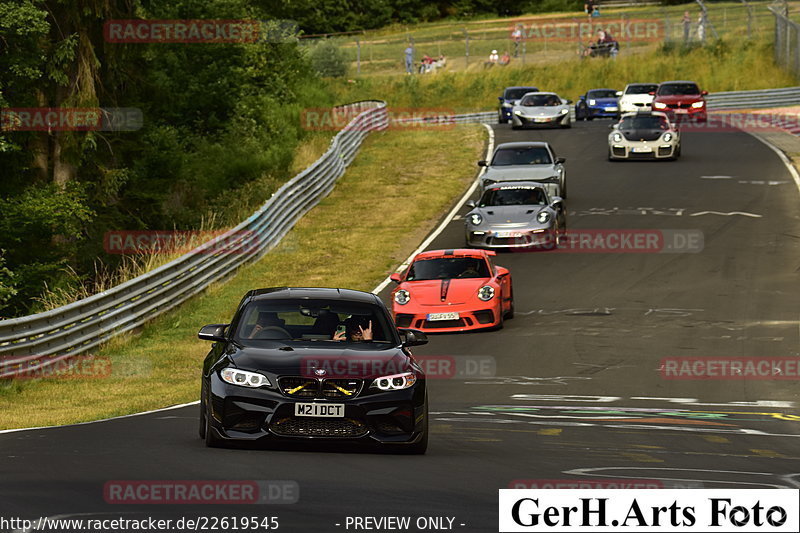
[30,343]
[34,342]
[787,40]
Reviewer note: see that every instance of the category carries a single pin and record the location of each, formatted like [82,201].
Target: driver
[266,319]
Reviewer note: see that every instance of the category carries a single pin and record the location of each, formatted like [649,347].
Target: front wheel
[510,312]
[420,447]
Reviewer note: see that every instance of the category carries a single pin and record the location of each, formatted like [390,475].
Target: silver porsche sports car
[541,109]
[526,161]
[516,214]
[644,135]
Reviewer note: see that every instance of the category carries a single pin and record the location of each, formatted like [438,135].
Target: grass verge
[720,66]
[353,238]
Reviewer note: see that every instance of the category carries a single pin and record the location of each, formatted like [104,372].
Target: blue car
[602,103]
[511,97]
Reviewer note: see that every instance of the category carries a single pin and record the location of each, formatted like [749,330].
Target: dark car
[313,364]
[511,97]
[597,103]
[681,100]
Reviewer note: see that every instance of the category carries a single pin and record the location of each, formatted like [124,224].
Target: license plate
[681,111]
[611,109]
[442,316]
[541,120]
[642,149]
[505,234]
[322,410]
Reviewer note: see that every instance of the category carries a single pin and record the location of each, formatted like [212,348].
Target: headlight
[592,102]
[698,105]
[507,104]
[395,382]
[564,111]
[243,378]
[617,138]
[518,112]
[475,219]
[486,293]
[667,137]
[402,297]
[659,105]
[543,217]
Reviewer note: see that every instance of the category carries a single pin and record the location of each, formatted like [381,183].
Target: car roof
[642,83]
[454,252]
[645,113]
[539,92]
[305,293]
[601,89]
[678,81]
[522,144]
[521,87]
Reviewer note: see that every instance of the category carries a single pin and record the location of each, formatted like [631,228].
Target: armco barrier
[39,340]
[36,341]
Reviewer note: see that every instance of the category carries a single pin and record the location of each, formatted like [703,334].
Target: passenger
[357,328]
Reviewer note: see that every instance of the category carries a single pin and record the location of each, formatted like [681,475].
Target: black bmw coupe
[308,364]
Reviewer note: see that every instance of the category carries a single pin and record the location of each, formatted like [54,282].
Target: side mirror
[568,101]
[482,163]
[213,333]
[619,93]
[396,277]
[556,201]
[612,126]
[561,160]
[500,98]
[412,337]
[471,203]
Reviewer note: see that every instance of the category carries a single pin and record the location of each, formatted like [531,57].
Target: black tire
[420,447]
[202,429]
[589,117]
[564,190]
[510,312]
[212,441]
[514,127]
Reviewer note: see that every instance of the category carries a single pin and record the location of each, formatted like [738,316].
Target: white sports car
[541,109]
[637,97]
[644,135]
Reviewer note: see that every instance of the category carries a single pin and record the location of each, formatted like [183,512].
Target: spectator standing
[516,35]
[409,59]
[687,26]
[701,27]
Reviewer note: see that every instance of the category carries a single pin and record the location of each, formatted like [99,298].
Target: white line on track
[450,216]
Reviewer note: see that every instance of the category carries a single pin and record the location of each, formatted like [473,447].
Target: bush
[328,60]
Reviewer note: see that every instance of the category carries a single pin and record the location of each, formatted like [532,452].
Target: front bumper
[243,414]
[603,112]
[471,316]
[515,238]
[634,107]
[534,122]
[657,149]
[682,114]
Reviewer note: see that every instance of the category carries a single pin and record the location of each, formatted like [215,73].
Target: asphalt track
[576,392]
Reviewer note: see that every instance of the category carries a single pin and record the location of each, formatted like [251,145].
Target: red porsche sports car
[452,290]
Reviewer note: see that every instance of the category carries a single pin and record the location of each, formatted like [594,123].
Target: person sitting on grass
[505,60]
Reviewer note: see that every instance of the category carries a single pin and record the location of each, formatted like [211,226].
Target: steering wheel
[272,333]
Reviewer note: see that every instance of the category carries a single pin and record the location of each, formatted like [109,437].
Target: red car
[681,100]
[452,290]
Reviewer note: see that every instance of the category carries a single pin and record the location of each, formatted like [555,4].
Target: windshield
[644,123]
[532,155]
[540,100]
[517,93]
[678,89]
[603,93]
[641,89]
[312,320]
[448,268]
[513,196]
